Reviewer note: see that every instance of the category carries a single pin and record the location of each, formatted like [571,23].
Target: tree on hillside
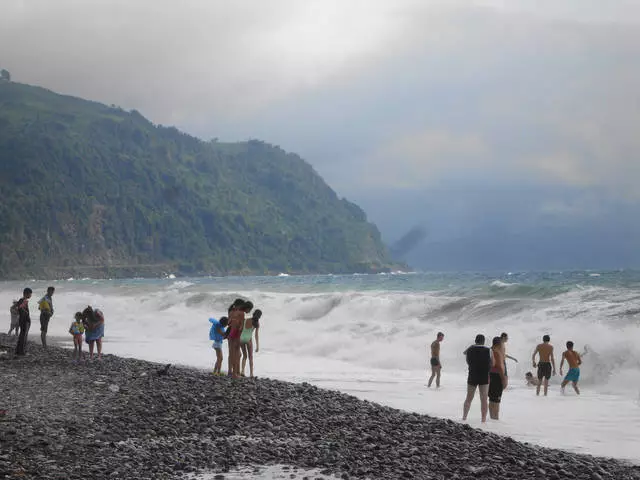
[5,75]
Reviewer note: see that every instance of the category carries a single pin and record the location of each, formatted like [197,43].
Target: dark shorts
[435,362]
[495,387]
[544,370]
[44,322]
[477,380]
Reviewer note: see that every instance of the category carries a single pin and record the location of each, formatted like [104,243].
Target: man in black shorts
[479,360]
[546,365]
[436,366]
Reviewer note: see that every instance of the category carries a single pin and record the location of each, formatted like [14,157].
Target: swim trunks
[217,345]
[573,375]
[435,362]
[544,370]
[495,387]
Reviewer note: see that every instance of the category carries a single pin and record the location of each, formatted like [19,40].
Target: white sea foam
[373,344]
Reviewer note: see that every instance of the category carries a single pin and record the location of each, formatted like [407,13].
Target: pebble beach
[123,418]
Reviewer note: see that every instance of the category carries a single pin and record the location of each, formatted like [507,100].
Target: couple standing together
[488,374]
[21,318]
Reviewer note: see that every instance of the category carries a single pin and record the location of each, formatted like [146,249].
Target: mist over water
[369,334]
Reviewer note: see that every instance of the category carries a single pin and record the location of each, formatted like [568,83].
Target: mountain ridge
[93,190]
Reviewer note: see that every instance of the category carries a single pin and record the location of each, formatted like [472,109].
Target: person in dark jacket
[24,320]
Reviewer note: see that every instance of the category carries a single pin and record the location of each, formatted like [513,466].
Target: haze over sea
[368,335]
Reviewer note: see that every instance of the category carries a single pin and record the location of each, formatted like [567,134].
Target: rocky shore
[130,419]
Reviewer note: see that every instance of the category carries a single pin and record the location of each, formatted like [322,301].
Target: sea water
[369,336]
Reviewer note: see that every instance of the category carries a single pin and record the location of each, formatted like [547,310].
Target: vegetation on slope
[87,186]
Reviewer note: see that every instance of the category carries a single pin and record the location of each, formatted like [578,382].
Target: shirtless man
[505,338]
[436,366]
[546,364]
[574,361]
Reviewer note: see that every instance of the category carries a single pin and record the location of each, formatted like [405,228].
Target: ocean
[369,336]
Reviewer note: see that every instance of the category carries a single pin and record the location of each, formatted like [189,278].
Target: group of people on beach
[238,329]
[88,324]
[488,370]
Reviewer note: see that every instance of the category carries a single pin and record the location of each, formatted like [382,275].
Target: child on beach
[15,316]
[251,326]
[216,334]
[77,329]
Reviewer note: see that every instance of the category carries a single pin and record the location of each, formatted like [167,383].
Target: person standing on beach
[546,365]
[574,360]
[480,362]
[251,326]
[77,330]
[505,338]
[15,318]
[216,334]
[45,305]
[93,320]
[24,321]
[497,379]
[236,320]
[436,366]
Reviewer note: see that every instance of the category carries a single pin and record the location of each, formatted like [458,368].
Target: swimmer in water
[531,380]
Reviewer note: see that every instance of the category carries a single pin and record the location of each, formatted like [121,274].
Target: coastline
[121,418]
[163,270]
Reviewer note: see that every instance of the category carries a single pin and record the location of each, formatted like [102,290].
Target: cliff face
[89,189]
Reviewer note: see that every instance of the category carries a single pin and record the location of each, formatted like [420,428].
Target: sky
[507,129]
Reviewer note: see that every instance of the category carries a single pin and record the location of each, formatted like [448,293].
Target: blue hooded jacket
[214,332]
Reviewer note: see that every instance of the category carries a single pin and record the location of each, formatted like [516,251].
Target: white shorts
[217,345]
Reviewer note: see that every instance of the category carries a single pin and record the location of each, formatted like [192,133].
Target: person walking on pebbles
[480,361]
[546,365]
[45,305]
[77,330]
[436,366]
[574,360]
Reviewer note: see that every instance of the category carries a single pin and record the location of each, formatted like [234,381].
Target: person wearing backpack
[45,305]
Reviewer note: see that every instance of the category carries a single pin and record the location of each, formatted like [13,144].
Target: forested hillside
[88,189]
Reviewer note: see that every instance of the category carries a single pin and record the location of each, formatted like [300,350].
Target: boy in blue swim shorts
[573,375]
[216,334]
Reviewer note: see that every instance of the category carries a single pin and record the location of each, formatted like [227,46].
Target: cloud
[457,106]
[414,160]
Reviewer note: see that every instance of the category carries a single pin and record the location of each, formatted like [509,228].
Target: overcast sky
[475,118]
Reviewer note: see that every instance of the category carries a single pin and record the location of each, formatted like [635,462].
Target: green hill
[88,189]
